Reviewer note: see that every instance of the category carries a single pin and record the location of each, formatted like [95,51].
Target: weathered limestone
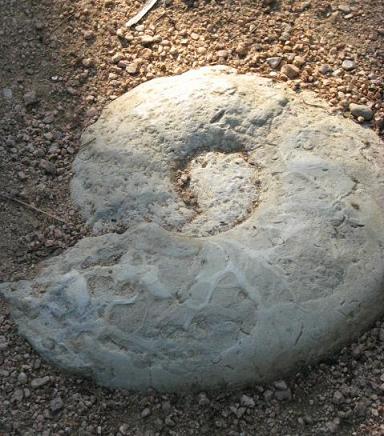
[254,239]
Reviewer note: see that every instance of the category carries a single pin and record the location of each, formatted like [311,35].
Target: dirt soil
[61,62]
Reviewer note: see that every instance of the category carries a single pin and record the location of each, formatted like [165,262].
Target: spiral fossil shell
[253,238]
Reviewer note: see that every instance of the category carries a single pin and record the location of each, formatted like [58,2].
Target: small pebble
[22,378]
[348,65]
[40,381]
[30,98]
[247,401]
[56,405]
[325,69]
[291,71]
[360,110]
[274,62]
[223,54]
[48,167]
[145,412]
[147,40]
[132,68]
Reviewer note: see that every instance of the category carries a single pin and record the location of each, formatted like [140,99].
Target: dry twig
[313,104]
[82,146]
[31,207]
[146,8]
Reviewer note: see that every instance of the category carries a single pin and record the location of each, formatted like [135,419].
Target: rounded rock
[274,62]
[361,110]
[348,65]
[254,239]
[147,40]
[291,71]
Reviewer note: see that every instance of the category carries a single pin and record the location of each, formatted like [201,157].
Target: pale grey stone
[132,68]
[56,405]
[7,93]
[274,62]
[147,40]
[361,110]
[48,166]
[247,401]
[30,98]
[40,381]
[181,300]
[280,385]
[283,395]
[348,65]
[22,378]
[18,395]
[325,69]
[344,8]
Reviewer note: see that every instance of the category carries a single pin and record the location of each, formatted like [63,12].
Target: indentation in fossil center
[221,188]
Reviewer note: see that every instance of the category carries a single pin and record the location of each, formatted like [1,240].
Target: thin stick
[146,8]
[313,104]
[29,206]
[82,146]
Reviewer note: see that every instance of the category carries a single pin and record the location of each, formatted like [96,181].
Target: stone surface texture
[254,238]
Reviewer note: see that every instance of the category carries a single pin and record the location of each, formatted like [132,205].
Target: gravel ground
[60,63]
